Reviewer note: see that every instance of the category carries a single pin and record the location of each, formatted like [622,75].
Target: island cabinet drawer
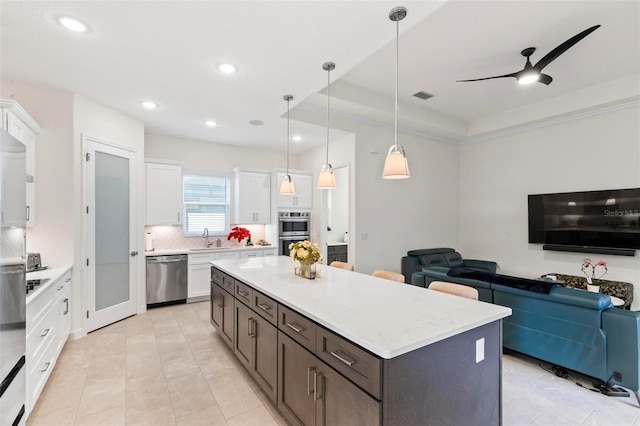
[298,327]
[358,365]
[243,292]
[228,283]
[216,275]
[265,306]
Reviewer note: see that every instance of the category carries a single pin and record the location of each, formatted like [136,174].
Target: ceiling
[168,51]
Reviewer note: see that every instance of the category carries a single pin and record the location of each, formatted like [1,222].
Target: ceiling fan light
[528,78]
[396,165]
[287,187]
[326,179]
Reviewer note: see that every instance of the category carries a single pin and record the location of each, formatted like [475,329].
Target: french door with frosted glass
[111,254]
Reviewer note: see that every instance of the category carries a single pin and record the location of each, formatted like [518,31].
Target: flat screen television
[607,219]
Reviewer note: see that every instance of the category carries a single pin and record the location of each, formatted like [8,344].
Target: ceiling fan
[531,73]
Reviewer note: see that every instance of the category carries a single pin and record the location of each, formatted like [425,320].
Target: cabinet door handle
[295,327]
[28,213]
[252,328]
[340,355]
[249,327]
[220,300]
[46,367]
[45,332]
[60,288]
[178,216]
[309,371]
[316,393]
[264,307]
[66,311]
[243,293]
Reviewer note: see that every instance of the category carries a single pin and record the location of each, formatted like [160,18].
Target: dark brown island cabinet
[318,377]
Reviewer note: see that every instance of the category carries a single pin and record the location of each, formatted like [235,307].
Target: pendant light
[327,180]
[287,187]
[396,165]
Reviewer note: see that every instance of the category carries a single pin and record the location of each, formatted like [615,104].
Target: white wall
[210,157]
[595,151]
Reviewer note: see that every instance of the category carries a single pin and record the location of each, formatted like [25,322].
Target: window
[206,204]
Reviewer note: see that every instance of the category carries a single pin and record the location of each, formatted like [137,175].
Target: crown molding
[20,112]
[619,105]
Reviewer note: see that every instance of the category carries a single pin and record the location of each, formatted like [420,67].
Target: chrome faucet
[205,234]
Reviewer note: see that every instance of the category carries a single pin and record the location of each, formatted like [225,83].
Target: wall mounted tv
[606,222]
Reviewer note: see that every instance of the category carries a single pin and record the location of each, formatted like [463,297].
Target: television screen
[609,219]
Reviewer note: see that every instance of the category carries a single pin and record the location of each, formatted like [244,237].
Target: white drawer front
[39,307]
[40,335]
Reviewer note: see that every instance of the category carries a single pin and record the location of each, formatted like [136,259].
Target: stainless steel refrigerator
[13,178]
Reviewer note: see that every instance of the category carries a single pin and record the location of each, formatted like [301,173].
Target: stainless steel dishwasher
[166,279]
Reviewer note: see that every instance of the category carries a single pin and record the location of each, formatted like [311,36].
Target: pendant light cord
[328,98]
[395,142]
[288,99]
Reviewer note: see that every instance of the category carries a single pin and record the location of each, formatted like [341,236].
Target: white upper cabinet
[19,124]
[303,198]
[252,196]
[164,194]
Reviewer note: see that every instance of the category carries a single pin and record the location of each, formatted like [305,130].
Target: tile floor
[168,367]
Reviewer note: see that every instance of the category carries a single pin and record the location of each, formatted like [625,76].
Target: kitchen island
[348,348]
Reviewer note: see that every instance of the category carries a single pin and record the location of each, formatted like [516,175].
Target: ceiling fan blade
[551,56]
[545,79]
[513,74]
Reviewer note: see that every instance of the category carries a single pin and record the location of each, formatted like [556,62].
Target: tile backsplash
[171,237]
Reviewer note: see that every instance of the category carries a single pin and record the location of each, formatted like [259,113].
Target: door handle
[133,253]
[309,371]
[66,311]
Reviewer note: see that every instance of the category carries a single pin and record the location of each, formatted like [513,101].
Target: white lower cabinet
[199,274]
[48,327]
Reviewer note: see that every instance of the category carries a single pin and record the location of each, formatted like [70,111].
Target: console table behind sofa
[617,289]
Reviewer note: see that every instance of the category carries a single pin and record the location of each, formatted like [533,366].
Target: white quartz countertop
[384,317]
[165,252]
[52,273]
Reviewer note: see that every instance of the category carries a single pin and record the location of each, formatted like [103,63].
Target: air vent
[423,95]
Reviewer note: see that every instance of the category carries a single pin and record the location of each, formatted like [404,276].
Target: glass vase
[306,270]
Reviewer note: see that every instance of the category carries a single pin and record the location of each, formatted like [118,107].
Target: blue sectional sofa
[571,328]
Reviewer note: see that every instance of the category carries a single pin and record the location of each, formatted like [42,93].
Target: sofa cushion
[536,286]
[453,259]
[429,251]
[428,260]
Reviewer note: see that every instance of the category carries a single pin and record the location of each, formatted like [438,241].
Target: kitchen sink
[209,249]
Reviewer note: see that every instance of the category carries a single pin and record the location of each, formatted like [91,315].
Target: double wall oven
[292,227]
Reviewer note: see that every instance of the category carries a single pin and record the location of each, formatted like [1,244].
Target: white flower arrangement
[305,252]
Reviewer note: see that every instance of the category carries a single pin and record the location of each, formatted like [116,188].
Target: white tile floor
[168,367]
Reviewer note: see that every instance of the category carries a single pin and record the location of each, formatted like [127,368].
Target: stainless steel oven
[283,243]
[292,227]
[291,224]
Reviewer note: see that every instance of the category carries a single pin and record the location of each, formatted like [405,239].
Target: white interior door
[111,264]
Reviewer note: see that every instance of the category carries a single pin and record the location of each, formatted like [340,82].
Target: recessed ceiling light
[256,123]
[72,24]
[210,123]
[149,104]
[227,68]
[296,138]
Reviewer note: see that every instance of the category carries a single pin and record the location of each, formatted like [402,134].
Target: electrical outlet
[364,236]
[479,350]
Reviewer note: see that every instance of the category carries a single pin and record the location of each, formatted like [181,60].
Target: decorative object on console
[287,187]
[396,165]
[327,179]
[593,283]
[307,254]
[619,289]
[239,234]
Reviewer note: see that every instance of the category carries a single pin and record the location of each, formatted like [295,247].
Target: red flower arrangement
[239,233]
